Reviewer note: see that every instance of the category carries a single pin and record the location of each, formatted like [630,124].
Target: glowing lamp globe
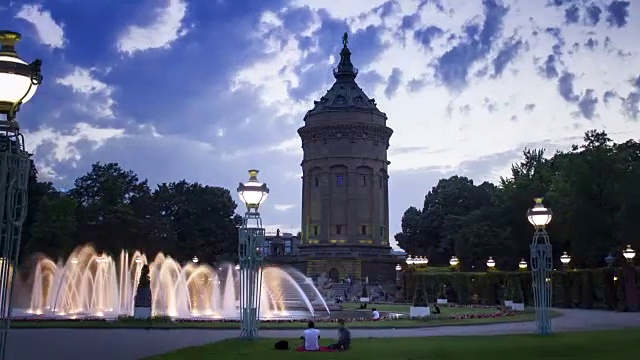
[253,193]
[491,263]
[539,216]
[410,260]
[138,260]
[74,260]
[195,260]
[522,264]
[398,267]
[629,253]
[565,258]
[18,80]
[423,260]
[237,267]
[454,261]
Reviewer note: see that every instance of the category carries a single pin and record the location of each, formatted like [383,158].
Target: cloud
[264,65]
[96,95]
[166,28]
[49,32]
[284,207]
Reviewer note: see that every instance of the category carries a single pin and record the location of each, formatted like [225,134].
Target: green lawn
[404,308]
[155,324]
[601,345]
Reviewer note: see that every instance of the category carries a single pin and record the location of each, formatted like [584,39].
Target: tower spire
[345,71]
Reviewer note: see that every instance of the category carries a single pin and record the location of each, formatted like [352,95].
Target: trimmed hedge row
[588,289]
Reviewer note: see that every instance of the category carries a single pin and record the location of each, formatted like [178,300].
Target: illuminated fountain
[95,285]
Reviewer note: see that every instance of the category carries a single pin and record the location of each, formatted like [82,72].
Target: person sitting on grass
[311,337]
[344,337]
[375,315]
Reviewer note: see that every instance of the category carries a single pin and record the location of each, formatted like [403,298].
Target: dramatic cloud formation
[205,90]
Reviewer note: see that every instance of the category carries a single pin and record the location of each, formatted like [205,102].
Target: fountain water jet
[90,284]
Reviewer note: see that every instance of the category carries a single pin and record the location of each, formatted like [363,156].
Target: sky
[205,90]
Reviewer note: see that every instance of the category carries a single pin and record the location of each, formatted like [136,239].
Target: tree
[592,190]
[106,217]
[203,218]
[53,232]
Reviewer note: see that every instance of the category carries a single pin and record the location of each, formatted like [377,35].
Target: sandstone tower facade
[345,182]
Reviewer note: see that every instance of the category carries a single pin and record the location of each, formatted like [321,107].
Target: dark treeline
[593,190]
[112,209]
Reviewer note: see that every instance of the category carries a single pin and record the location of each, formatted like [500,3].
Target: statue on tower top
[345,39]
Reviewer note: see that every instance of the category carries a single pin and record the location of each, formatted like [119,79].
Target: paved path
[131,344]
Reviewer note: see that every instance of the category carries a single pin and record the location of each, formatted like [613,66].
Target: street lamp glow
[102,259]
[138,260]
[410,260]
[195,260]
[398,267]
[629,253]
[253,193]
[522,264]
[539,216]
[237,267]
[74,260]
[18,80]
[491,263]
[454,261]
[565,258]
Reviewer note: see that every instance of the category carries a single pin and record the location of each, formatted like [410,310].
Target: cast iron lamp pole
[541,265]
[18,83]
[251,237]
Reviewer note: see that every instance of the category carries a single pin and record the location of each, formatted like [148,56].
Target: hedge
[586,289]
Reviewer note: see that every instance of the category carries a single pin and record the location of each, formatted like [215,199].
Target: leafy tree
[53,232]
[591,188]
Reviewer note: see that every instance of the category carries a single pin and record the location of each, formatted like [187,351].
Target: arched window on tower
[363,180]
[316,182]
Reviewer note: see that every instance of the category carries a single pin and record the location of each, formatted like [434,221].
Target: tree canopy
[114,210]
[592,190]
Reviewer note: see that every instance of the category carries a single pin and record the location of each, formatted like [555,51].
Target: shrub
[420,298]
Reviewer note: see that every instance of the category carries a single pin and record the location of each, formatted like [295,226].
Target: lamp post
[610,260]
[491,264]
[251,237]
[541,265]
[522,265]
[454,261]
[629,254]
[18,83]
[565,259]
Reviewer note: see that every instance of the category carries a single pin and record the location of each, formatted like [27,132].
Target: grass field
[404,308]
[601,345]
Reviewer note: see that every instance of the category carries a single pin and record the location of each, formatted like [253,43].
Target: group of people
[311,336]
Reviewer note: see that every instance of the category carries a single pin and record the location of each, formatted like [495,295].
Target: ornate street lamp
[398,268]
[541,265]
[251,237]
[610,260]
[629,253]
[18,83]
[491,263]
[565,259]
[454,261]
[522,264]
[410,260]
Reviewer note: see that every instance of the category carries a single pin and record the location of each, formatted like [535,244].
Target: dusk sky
[203,90]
